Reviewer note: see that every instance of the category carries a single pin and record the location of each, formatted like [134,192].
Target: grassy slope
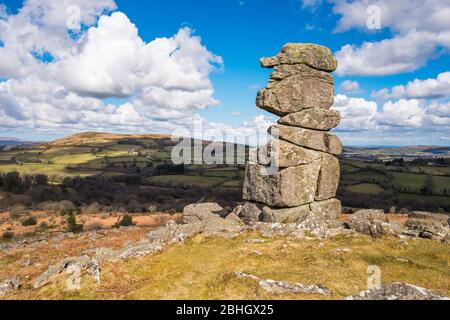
[204,269]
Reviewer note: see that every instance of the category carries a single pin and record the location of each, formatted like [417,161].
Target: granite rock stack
[301,92]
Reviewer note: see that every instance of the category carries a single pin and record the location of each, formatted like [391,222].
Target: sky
[132,66]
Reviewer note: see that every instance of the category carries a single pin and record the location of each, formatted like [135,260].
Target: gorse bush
[31,221]
[7,235]
[72,225]
[125,221]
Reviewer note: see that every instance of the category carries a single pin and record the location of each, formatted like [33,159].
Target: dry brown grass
[204,267]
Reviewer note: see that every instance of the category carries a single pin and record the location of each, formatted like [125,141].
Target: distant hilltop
[101,137]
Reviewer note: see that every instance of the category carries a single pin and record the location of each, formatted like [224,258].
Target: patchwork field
[106,155]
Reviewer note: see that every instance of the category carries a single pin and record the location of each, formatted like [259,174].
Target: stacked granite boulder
[301,92]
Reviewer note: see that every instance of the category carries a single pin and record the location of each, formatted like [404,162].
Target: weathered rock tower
[301,92]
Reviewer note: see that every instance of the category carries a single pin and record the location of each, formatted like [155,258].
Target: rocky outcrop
[249,213]
[398,291]
[280,287]
[298,170]
[272,286]
[9,285]
[369,222]
[91,265]
[201,211]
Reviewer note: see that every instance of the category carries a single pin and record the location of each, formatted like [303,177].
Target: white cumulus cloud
[420,28]
[419,89]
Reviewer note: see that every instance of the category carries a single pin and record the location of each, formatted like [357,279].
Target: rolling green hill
[103,155]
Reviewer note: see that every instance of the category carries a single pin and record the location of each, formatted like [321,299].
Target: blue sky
[240,32]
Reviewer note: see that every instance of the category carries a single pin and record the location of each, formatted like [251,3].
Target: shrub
[67,208]
[72,225]
[125,221]
[8,235]
[17,210]
[43,226]
[31,221]
[49,206]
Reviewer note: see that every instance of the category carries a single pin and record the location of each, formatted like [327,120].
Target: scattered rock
[234,217]
[241,275]
[436,217]
[9,285]
[397,291]
[141,249]
[250,213]
[63,236]
[201,211]
[426,228]
[83,263]
[273,286]
[257,253]
[370,222]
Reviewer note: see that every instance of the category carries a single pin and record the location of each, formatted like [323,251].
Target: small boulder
[436,217]
[369,222]
[9,286]
[272,286]
[250,213]
[427,229]
[397,291]
[201,211]
[234,217]
[83,263]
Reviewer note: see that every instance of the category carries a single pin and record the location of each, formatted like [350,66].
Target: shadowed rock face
[301,91]
[328,178]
